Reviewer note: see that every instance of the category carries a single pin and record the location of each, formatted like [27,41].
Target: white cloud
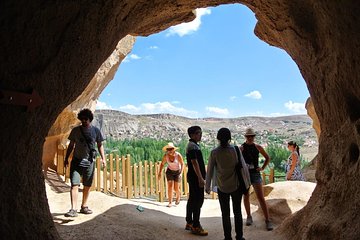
[129,108]
[131,57]
[154,47]
[158,107]
[295,107]
[102,105]
[218,112]
[134,56]
[233,98]
[190,27]
[254,94]
[277,114]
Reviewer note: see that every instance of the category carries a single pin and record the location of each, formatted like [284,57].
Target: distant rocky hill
[120,125]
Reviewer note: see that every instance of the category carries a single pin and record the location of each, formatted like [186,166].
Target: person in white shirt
[175,166]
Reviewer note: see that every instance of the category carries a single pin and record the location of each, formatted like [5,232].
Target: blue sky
[214,66]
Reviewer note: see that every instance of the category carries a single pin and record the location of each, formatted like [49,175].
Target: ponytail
[292,143]
[297,149]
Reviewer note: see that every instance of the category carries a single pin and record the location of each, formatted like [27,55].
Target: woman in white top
[293,170]
[175,166]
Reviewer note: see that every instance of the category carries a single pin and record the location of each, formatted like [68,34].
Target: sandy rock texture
[67,119]
[117,218]
[56,48]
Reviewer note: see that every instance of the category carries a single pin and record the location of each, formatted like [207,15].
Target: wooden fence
[123,179]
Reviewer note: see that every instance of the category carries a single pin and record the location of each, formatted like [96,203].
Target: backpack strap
[86,139]
[238,155]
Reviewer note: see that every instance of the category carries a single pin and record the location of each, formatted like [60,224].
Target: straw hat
[169,145]
[250,132]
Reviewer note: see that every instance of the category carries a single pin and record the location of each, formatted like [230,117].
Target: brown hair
[292,143]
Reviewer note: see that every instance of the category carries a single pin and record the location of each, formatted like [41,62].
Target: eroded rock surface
[67,119]
[57,47]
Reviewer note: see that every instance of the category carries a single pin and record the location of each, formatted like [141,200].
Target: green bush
[151,150]
[148,149]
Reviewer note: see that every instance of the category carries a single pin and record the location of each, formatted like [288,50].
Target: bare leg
[170,191]
[247,203]
[260,196]
[86,192]
[177,191]
[73,196]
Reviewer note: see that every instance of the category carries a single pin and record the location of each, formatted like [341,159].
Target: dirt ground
[118,218]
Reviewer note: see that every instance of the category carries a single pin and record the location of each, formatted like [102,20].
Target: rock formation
[56,48]
[311,112]
[67,119]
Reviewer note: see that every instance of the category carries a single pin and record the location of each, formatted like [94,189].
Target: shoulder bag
[242,172]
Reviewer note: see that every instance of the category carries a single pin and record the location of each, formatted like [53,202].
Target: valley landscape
[119,126]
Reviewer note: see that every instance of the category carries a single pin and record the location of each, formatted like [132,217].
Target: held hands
[201,182]
[259,169]
[207,191]
[66,162]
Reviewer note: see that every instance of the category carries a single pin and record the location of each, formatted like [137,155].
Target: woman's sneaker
[199,231]
[71,213]
[269,225]
[249,221]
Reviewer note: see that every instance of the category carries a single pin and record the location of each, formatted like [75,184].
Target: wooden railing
[123,179]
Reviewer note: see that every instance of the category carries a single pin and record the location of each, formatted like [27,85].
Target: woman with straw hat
[175,166]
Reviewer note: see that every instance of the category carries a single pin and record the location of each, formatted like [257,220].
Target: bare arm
[181,161]
[266,156]
[102,154]
[68,152]
[161,166]
[209,174]
[198,172]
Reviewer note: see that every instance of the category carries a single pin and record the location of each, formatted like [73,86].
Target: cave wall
[67,119]
[56,48]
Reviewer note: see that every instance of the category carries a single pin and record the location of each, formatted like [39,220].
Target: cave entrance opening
[216,67]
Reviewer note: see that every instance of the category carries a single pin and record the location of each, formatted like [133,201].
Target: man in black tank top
[250,151]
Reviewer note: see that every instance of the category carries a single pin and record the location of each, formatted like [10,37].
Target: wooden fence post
[263,177]
[146,177]
[60,168]
[135,179]
[128,177]
[160,183]
[271,176]
[152,190]
[123,174]
[111,159]
[97,175]
[186,187]
[105,189]
[140,179]
[117,175]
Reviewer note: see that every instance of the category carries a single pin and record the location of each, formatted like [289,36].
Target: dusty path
[117,218]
